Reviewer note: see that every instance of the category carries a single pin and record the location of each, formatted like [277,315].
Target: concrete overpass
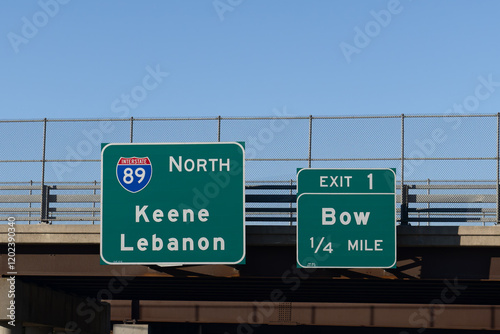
[447,277]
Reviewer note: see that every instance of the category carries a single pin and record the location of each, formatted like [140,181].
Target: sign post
[346,218]
[173,204]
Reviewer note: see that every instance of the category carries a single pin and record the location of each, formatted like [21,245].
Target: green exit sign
[346,218]
[173,204]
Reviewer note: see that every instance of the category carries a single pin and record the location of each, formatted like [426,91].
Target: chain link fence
[452,156]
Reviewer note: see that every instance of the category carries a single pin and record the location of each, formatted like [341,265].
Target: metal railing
[266,203]
[437,147]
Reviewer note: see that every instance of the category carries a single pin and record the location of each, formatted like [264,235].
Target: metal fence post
[218,128]
[44,195]
[404,204]
[131,129]
[30,205]
[428,203]
[93,203]
[404,188]
[310,141]
[498,169]
[291,193]
[402,150]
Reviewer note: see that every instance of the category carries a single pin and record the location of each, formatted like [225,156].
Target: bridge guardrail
[421,202]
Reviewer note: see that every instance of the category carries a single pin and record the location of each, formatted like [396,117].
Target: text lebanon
[173,244]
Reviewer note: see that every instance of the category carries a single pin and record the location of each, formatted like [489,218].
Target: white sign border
[169,264]
[395,220]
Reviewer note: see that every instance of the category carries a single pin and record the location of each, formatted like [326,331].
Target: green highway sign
[173,203]
[346,218]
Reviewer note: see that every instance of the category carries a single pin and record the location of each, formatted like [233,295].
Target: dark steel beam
[255,314]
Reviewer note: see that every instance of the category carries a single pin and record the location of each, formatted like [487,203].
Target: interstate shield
[134,173]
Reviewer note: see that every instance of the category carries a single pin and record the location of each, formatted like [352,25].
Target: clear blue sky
[244,58]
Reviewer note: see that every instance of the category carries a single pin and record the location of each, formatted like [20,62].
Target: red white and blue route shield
[134,173]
